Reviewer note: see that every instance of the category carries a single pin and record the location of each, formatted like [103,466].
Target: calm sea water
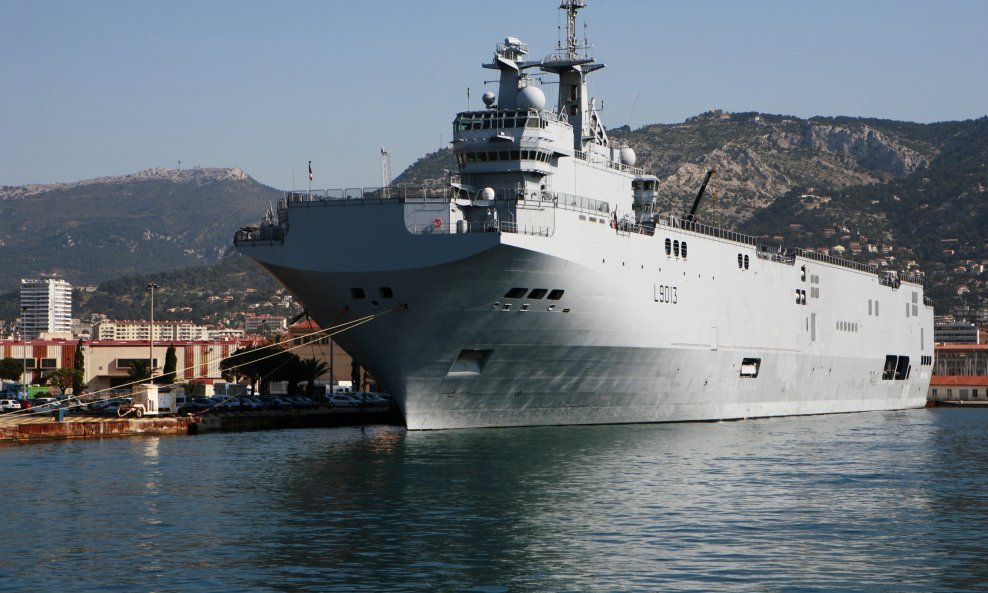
[892,501]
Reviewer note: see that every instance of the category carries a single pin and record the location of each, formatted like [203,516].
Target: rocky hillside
[154,220]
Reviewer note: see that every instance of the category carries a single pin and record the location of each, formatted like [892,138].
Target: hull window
[750,367]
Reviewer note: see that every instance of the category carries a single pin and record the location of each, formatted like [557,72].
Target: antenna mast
[385,172]
[571,6]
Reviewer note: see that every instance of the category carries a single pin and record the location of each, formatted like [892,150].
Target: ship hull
[640,338]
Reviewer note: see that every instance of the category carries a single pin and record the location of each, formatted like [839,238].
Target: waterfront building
[164,331]
[957,332]
[46,308]
[958,388]
[265,324]
[107,362]
[960,372]
[305,341]
[961,359]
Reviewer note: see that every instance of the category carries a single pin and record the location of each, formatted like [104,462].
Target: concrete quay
[31,427]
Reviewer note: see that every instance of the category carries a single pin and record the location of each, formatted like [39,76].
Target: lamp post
[151,287]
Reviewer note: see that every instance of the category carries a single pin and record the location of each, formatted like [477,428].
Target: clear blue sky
[92,88]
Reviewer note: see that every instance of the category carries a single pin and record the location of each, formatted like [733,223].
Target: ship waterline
[541,287]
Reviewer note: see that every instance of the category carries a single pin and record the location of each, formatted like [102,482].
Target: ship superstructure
[540,286]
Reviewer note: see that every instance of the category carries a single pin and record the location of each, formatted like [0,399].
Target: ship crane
[699,195]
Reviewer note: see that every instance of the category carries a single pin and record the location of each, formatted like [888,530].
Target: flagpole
[310,180]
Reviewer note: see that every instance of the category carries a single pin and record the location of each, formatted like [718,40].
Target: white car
[9,405]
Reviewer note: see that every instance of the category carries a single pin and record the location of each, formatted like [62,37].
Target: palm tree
[139,370]
[313,369]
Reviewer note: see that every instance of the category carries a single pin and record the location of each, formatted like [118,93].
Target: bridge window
[555,294]
[675,248]
[683,249]
[537,293]
[515,293]
[386,292]
[669,247]
[357,293]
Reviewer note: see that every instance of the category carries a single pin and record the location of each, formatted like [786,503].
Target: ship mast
[571,6]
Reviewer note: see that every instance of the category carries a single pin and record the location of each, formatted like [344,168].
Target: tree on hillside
[168,372]
[64,378]
[11,369]
[79,364]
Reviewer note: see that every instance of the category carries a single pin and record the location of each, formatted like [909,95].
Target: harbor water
[888,501]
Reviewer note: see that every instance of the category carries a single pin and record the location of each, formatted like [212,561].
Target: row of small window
[536,293]
[524,307]
[847,326]
[503,155]
[497,121]
[800,295]
[308,341]
[742,262]
[384,292]
[46,363]
[926,360]
[676,248]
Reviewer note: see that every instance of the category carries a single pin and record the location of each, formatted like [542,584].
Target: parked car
[255,402]
[45,405]
[342,400]
[370,398]
[9,405]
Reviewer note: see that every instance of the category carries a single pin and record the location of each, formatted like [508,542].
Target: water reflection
[861,502]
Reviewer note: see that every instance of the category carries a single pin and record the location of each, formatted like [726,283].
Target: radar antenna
[385,172]
[571,6]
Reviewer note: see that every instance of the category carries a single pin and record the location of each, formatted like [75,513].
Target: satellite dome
[531,97]
[628,156]
[487,193]
[488,98]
